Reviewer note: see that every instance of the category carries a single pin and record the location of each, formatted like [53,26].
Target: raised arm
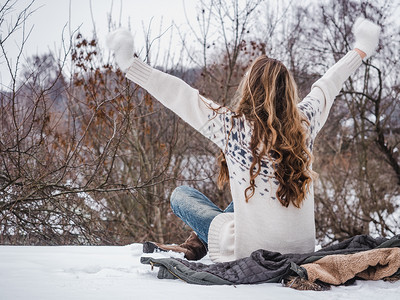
[202,114]
[319,101]
[171,91]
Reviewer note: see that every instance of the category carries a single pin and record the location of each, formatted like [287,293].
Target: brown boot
[193,247]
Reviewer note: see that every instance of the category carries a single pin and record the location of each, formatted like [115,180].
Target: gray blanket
[262,266]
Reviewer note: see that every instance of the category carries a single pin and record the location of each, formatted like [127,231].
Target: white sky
[51,16]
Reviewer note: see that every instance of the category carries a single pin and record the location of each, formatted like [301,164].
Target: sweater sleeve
[317,104]
[210,119]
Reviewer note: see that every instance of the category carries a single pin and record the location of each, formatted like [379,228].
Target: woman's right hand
[366,34]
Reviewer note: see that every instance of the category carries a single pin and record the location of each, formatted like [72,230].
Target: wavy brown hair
[268,100]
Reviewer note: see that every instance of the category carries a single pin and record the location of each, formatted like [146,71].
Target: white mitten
[121,41]
[366,34]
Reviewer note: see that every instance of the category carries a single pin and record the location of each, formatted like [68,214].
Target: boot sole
[149,247]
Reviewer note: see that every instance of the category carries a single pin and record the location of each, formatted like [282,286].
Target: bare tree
[357,155]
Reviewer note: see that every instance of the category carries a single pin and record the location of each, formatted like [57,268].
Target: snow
[103,272]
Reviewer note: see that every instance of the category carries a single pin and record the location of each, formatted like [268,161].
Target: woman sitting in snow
[267,145]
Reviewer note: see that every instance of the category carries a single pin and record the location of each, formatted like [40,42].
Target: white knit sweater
[262,223]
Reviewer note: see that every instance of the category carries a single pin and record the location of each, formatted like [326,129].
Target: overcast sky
[51,17]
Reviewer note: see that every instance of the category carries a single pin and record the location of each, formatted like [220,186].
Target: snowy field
[79,272]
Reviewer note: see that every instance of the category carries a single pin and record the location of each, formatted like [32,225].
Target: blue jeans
[196,210]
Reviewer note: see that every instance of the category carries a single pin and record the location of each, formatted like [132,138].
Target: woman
[267,152]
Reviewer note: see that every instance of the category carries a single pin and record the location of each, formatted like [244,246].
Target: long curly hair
[267,97]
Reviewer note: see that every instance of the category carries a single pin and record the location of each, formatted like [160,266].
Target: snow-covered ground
[79,272]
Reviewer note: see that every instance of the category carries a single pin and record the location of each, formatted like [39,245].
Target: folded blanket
[265,266]
[370,265]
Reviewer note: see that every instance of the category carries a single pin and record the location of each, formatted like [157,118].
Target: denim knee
[178,196]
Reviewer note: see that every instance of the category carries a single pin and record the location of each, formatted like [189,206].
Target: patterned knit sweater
[262,223]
